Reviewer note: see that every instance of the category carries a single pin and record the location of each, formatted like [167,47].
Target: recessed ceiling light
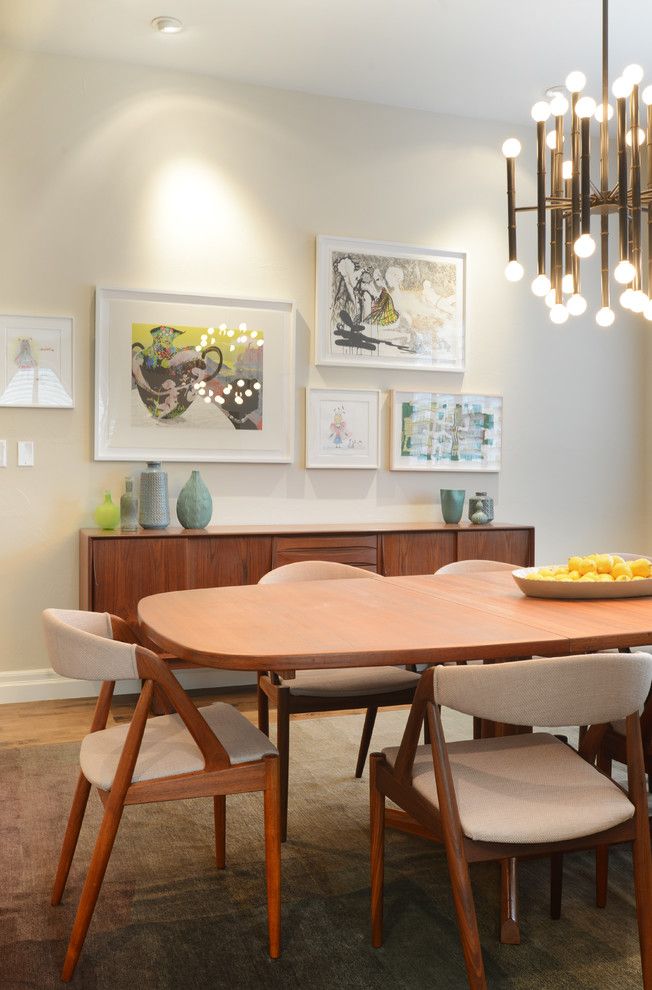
[167,25]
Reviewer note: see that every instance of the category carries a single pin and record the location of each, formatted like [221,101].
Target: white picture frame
[36,362]
[385,305]
[145,383]
[445,431]
[343,428]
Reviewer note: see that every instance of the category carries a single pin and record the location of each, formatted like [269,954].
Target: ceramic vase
[107,515]
[194,505]
[129,508]
[481,503]
[452,504]
[154,502]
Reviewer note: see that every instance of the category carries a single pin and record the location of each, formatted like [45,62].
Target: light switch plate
[3,453]
[25,453]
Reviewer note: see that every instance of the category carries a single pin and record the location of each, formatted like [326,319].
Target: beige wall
[115,175]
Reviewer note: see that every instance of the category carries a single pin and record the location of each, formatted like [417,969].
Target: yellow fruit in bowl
[546,573]
[622,570]
[574,575]
[641,567]
[533,576]
[617,559]
[589,576]
[565,577]
[638,577]
[587,566]
[605,577]
[574,563]
[624,577]
[604,563]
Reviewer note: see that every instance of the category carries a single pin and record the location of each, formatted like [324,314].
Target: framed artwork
[193,378]
[436,431]
[342,428]
[389,306]
[36,362]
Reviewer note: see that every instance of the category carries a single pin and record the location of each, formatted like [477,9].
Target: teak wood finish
[442,824]
[218,778]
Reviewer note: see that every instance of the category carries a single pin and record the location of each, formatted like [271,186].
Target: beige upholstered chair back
[81,644]
[581,690]
[474,566]
[314,570]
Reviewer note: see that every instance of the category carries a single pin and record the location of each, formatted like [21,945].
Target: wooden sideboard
[118,569]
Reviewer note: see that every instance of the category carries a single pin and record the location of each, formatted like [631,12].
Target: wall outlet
[25,453]
[3,453]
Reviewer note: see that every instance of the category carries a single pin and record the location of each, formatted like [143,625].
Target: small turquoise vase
[194,505]
[452,504]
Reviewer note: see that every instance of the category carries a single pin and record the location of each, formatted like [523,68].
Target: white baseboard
[45,685]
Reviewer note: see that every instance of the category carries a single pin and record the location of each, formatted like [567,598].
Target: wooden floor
[37,723]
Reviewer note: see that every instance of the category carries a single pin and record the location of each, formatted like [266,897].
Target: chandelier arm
[511,210]
[541,197]
[568,241]
[649,194]
[604,160]
[636,189]
[575,182]
[623,240]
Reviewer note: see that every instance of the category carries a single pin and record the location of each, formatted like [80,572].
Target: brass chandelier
[573,198]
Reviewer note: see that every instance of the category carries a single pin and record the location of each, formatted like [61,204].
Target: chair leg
[73,828]
[466,920]
[219,808]
[377,818]
[272,805]
[367,729]
[94,877]
[510,933]
[263,709]
[283,746]
[602,852]
[556,884]
[477,727]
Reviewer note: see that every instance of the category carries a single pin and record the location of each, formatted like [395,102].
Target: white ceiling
[467,57]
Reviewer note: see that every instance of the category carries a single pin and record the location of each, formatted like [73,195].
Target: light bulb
[646,95]
[599,113]
[575,82]
[633,74]
[638,301]
[541,285]
[647,312]
[551,140]
[584,246]
[514,271]
[567,170]
[585,106]
[576,305]
[641,137]
[511,148]
[625,298]
[624,272]
[540,111]
[605,317]
[167,25]
[558,105]
[567,283]
[551,299]
[621,88]
[559,313]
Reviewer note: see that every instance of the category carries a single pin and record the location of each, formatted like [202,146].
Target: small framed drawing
[436,431]
[193,378]
[342,428]
[389,306]
[36,362]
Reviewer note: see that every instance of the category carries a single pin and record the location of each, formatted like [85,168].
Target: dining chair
[305,691]
[524,795]
[208,752]
[474,566]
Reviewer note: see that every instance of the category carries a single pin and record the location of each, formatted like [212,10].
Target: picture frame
[385,305]
[191,377]
[444,431]
[343,428]
[36,362]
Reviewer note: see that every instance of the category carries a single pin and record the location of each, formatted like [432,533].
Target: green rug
[167,919]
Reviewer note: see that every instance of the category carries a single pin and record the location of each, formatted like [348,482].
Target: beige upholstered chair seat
[351,681]
[529,788]
[168,748]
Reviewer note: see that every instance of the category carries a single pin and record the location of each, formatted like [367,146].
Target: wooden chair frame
[443,825]
[218,778]
[270,688]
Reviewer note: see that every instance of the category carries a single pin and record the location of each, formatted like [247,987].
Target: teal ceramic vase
[107,515]
[452,504]
[194,505]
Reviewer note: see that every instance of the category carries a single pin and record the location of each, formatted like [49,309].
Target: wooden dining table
[424,619]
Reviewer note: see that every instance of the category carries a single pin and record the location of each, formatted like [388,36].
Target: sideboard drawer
[359,551]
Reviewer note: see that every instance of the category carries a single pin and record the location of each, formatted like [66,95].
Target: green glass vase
[194,505]
[107,515]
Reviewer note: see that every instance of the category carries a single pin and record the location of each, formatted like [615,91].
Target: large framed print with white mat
[382,305]
[342,428]
[437,431]
[36,366]
[182,377]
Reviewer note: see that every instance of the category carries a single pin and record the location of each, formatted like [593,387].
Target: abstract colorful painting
[342,428]
[389,305]
[36,362]
[433,431]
